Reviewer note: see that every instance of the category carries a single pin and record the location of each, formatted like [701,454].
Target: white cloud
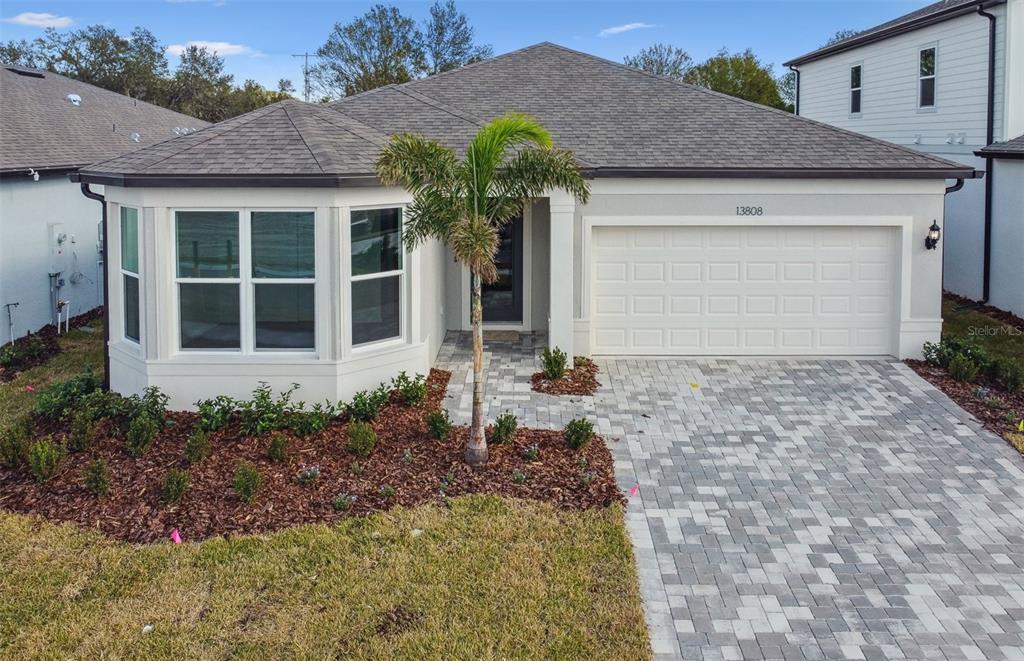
[626,27]
[36,20]
[222,48]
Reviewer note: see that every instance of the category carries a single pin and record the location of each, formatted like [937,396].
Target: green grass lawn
[81,350]
[487,578]
[997,338]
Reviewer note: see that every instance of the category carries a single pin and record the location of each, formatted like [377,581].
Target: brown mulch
[133,511]
[581,379]
[48,334]
[1002,316]
[998,410]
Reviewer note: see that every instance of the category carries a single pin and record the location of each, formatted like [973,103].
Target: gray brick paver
[796,508]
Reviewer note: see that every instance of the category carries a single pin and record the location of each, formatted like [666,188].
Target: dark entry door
[503,298]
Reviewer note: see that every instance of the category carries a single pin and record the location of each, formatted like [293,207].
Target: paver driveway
[798,508]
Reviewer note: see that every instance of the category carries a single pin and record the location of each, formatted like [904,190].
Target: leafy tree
[200,87]
[464,203]
[787,90]
[741,75]
[448,40]
[285,86]
[380,48]
[250,96]
[840,35]
[661,59]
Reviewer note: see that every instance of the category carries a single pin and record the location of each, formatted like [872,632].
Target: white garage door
[743,290]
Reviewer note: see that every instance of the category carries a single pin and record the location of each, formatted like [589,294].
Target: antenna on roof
[305,74]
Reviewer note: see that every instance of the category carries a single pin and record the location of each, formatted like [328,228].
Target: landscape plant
[175,484]
[465,202]
[247,482]
[554,362]
[361,438]
[504,428]
[197,445]
[411,391]
[578,433]
[96,478]
[142,432]
[439,424]
[45,457]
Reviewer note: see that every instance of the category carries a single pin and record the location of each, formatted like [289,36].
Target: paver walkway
[797,509]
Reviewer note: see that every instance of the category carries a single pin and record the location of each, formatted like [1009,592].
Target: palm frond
[487,151]
[416,163]
[474,242]
[533,171]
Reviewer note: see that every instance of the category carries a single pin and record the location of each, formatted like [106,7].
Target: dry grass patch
[485,578]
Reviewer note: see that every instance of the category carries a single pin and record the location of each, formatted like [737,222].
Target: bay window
[130,272]
[256,298]
[377,275]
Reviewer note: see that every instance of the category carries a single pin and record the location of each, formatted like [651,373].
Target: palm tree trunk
[476,449]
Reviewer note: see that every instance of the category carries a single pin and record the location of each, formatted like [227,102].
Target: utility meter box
[60,247]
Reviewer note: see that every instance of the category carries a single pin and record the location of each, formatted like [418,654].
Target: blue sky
[258,37]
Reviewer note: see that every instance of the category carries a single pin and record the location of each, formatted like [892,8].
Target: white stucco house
[948,80]
[264,249]
[50,242]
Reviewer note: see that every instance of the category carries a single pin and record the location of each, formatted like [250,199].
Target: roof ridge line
[380,138]
[444,107]
[303,138]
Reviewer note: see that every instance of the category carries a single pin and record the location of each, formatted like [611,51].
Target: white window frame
[403,297]
[860,89]
[246,284]
[138,276]
[934,77]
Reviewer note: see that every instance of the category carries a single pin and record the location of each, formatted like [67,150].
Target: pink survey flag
[634,490]
[176,536]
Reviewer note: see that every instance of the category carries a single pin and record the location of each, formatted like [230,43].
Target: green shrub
[307,476]
[439,424]
[83,432]
[277,451]
[941,353]
[518,477]
[962,368]
[141,433]
[578,433]
[387,491]
[263,413]
[197,446]
[152,403]
[57,399]
[361,438]
[96,478]
[1009,374]
[23,350]
[247,482]
[14,443]
[411,391]
[531,453]
[306,423]
[215,413]
[504,428]
[176,483]
[343,502]
[555,362]
[366,405]
[44,458]
[102,405]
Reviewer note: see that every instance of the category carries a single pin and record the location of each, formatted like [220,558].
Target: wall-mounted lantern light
[934,233]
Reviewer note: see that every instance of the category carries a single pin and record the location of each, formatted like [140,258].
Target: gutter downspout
[989,139]
[86,191]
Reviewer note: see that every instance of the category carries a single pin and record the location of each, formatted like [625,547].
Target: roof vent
[27,74]
[74,99]
[135,137]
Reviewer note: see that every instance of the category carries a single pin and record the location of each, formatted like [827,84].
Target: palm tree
[465,204]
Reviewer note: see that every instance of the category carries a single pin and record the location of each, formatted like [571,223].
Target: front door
[503,298]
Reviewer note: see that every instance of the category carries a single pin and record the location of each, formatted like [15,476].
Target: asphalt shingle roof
[617,120]
[937,11]
[41,129]
[1010,149]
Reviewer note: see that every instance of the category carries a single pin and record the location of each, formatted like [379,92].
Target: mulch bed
[998,410]
[996,314]
[48,335]
[133,512]
[581,379]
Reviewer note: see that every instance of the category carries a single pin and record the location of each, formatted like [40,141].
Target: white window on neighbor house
[130,273]
[926,78]
[855,89]
[246,280]
[377,275]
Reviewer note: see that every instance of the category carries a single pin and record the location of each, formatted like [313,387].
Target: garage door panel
[743,290]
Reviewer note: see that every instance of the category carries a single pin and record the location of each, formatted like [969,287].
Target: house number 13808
[749,211]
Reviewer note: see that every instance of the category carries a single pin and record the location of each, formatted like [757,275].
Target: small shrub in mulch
[134,508]
[37,348]
[580,380]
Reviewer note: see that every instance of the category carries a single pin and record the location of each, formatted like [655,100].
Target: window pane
[209,316]
[284,316]
[282,244]
[130,239]
[855,77]
[131,307]
[376,309]
[376,241]
[928,62]
[855,101]
[207,244]
[927,92]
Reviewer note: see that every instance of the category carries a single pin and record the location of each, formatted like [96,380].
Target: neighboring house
[264,249]
[948,80]
[50,244]
[1006,171]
